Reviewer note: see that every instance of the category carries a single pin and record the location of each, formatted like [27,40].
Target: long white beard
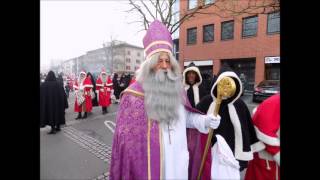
[162,96]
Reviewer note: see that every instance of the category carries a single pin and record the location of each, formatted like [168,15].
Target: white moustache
[161,75]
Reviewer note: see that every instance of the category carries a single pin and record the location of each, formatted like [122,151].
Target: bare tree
[109,52]
[149,10]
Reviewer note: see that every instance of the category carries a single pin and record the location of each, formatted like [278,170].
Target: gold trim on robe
[133,92]
[161,155]
[149,160]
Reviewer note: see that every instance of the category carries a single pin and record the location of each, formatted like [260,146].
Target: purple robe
[137,146]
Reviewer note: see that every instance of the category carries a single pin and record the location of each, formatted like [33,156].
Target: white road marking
[108,126]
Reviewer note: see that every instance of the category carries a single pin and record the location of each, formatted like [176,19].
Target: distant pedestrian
[83,102]
[104,91]
[116,86]
[94,99]
[67,89]
[53,102]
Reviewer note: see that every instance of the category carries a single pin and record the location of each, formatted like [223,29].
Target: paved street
[82,149]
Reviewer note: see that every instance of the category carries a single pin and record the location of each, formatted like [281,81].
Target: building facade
[116,56]
[249,44]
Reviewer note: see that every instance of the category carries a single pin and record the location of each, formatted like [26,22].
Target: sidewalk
[81,150]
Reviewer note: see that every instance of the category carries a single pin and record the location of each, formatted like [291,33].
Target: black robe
[53,102]
[116,86]
[190,94]
[226,128]
[95,99]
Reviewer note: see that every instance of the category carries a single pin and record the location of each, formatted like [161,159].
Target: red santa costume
[266,120]
[104,91]
[83,86]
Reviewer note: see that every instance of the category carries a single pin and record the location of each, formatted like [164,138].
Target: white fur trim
[254,110]
[99,84]
[196,94]
[158,50]
[88,85]
[156,43]
[109,84]
[276,157]
[239,153]
[272,141]
[258,146]
[195,69]
[229,74]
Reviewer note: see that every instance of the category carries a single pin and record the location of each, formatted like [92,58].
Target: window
[208,33]
[192,4]
[273,23]
[191,36]
[128,60]
[227,30]
[138,61]
[138,54]
[128,68]
[128,52]
[249,26]
[209,2]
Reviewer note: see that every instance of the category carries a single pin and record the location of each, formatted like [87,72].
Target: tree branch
[147,9]
[146,22]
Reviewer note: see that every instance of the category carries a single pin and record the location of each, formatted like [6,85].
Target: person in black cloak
[192,81]
[116,86]
[236,126]
[94,100]
[60,79]
[53,102]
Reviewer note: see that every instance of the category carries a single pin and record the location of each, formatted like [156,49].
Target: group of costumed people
[89,93]
[164,118]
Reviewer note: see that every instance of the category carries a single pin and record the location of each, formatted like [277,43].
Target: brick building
[249,44]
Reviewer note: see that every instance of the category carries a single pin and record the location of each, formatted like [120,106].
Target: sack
[80,98]
[92,94]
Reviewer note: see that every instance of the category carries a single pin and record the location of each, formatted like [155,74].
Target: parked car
[265,89]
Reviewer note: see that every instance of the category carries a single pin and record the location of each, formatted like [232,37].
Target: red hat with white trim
[83,72]
[103,71]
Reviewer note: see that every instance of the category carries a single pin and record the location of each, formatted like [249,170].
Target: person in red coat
[266,120]
[83,87]
[104,90]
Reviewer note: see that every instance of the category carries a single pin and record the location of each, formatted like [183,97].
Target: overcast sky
[69,28]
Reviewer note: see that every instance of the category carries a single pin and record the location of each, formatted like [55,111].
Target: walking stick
[226,88]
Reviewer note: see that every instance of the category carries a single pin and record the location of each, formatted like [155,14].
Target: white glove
[101,89]
[212,121]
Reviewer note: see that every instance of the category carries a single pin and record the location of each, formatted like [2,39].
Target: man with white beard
[150,140]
